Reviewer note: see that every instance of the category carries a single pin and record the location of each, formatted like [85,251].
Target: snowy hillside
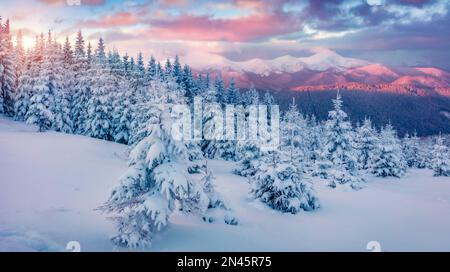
[51,183]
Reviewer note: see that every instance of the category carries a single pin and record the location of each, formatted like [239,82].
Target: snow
[51,183]
[320,61]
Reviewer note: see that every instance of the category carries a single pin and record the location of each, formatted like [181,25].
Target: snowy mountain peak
[320,61]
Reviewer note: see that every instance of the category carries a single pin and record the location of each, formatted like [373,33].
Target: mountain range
[327,70]
[413,99]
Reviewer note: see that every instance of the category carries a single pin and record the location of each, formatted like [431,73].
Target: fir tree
[8,78]
[99,106]
[390,160]
[339,148]
[234,96]
[218,208]
[156,180]
[293,134]
[222,97]
[440,162]
[79,46]
[280,184]
[415,155]
[151,69]
[366,143]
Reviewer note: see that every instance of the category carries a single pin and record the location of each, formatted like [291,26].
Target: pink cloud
[64,2]
[113,20]
[204,28]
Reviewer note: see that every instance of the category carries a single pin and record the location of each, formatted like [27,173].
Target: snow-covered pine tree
[339,148]
[99,106]
[25,87]
[151,70]
[248,151]
[268,99]
[188,84]
[122,114]
[8,78]
[156,180]
[294,134]
[249,154]
[366,143]
[20,66]
[62,120]
[218,208]
[222,96]
[415,155]
[314,136]
[210,100]
[41,105]
[167,70]
[282,186]
[137,78]
[440,161]
[45,87]
[234,95]
[251,97]
[177,72]
[82,88]
[389,161]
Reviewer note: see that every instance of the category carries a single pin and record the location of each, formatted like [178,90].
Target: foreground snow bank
[50,184]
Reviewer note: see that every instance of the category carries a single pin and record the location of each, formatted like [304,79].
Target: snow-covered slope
[51,183]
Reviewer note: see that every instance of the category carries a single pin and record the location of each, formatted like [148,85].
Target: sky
[393,32]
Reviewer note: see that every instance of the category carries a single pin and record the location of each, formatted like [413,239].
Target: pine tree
[339,148]
[218,208]
[222,96]
[99,106]
[82,84]
[177,72]
[389,160]
[151,69]
[168,70]
[137,77]
[45,87]
[248,155]
[62,119]
[416,156]
[156,180]
[89,56]
[188,84]
[8,78]
[41,105]
[293,134]
[100,53]
[79,46]
[234,95]
[248,151]
[209,119]
[122,114]
[366,143]
[281,185]
[268,98]
[251,97]
[440,162]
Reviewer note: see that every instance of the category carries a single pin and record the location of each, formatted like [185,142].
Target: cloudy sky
[394,32]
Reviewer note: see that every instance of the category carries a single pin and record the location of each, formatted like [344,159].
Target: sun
[28,42]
